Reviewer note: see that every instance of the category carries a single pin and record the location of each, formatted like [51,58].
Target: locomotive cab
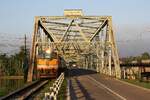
[47,64]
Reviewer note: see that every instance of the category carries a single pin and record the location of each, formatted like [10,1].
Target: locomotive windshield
[47,54]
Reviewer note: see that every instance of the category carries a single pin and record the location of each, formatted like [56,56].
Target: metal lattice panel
[87,40]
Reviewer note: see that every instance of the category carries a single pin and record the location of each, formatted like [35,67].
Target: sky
[131,20]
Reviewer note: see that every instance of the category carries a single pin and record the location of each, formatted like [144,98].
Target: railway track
[25,92]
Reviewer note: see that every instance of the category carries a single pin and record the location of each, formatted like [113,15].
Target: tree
[145,55]
[139,59]
[15,64]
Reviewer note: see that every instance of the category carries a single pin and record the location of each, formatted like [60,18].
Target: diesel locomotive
[49,64]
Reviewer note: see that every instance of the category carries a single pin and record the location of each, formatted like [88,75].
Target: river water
[9,85]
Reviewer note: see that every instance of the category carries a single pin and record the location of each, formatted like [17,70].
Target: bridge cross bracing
[87,40]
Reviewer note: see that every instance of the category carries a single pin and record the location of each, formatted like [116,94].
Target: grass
[40,94]
[43,90]
[61,94]
[9,85]
[138,83]
[3,92]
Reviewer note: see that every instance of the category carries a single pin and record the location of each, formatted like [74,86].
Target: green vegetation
[9,85]
[61,94]
[139,58]
[3,92]
[14,64]
[138,83]
[40,94]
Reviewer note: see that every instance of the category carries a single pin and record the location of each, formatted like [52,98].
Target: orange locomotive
[50,65]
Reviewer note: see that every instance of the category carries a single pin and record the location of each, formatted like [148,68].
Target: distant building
[146,61]
[134,62]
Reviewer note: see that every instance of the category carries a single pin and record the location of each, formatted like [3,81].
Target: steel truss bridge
[87,40]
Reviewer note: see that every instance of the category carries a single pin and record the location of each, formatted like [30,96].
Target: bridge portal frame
[88,40]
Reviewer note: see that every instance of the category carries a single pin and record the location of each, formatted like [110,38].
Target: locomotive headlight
[48,51]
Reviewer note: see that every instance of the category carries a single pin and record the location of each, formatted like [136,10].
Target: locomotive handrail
[52,94]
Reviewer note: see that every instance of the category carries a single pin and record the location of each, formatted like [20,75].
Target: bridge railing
[52,94]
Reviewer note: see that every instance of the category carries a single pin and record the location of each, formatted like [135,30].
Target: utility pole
[25,65]
[25,45]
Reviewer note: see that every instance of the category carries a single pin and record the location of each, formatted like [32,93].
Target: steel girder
[87,40]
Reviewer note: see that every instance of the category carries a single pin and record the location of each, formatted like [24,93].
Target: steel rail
[26,91]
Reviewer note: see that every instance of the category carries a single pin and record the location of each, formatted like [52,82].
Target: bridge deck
[87,85]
